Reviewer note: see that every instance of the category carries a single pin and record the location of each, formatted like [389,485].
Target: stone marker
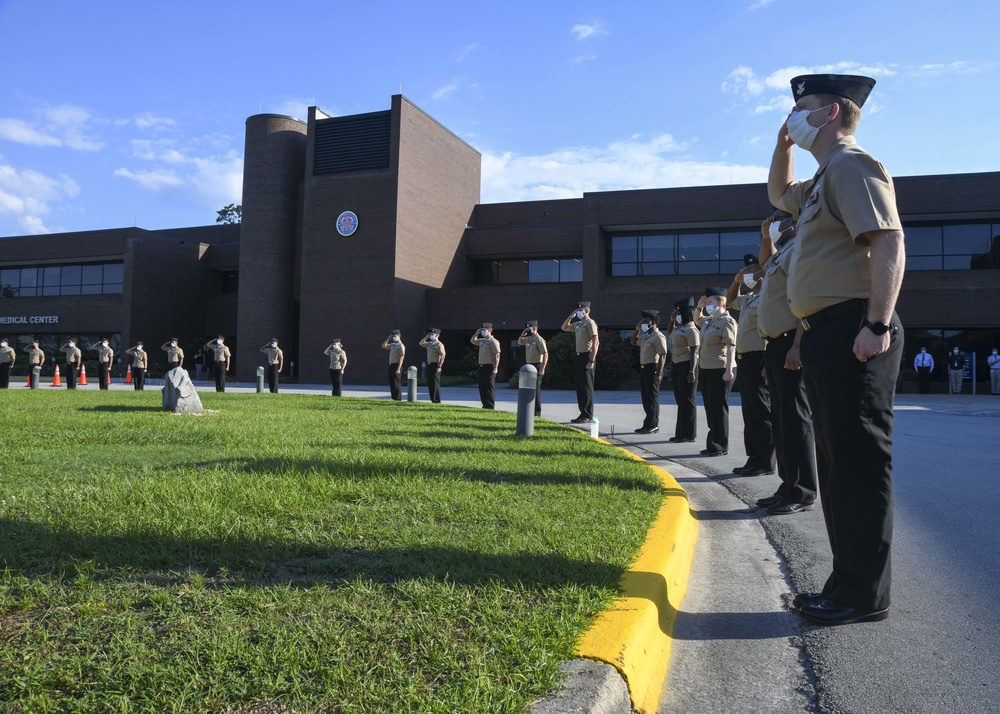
[179,394]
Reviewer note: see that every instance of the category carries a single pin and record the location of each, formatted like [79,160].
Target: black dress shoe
[642,430]
[653,430]
[809,599]
[687,441]
[755,471]
[787,507]
[829,612]
[713,452]
[675,439]
[770,501]
[579,420]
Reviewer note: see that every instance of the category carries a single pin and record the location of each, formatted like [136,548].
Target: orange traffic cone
[128,375]
[56,382]
[110,380]
[83,375]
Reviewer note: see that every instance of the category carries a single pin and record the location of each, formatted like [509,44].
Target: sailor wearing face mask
[587,344]
[652,346]
[175,355]
[755,399]
[684,342]
[7,357]
[397,353]
[956,370]
[221,357]
[74,358]
[536,353]
[994,363]
[139,363]
[105,355]
[275,363]
[435,362]
[338,365]
[924,364]
[716,368]
[489,363]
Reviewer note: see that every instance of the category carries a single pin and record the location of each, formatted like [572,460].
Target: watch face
[347,223]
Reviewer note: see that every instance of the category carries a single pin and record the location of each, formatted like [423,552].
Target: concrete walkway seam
[634,634]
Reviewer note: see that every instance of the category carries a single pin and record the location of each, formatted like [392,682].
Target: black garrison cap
[854,87]
[715,292]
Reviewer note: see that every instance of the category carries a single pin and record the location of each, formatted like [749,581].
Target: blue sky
[116,113]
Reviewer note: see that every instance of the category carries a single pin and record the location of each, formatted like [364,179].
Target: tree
[233,213]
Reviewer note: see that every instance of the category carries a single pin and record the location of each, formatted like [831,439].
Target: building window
[680,253]
[55,280]
[952,246]
[534,270]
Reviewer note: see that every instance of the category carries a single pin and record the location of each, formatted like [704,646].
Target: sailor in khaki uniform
[584,328]
[397,353]
[489,363]
[36,357]
[275,363]
[338,365]
[794,438]
[74,358]
[843,282]
[755,399]
[105,358]
[221,359]
[7,358]
[175,355]
[435,362]
[140,363]
[652,346]
[685,340]
[536,353]
[716,368]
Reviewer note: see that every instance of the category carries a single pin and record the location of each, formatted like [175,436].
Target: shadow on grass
[121,408]
[43,552]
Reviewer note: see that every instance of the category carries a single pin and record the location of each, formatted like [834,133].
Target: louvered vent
[354,143]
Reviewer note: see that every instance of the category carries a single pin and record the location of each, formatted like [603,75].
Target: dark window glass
[10,278]
[29,278]
[71,276]
[923,262]
[623,249]
[922,240]
[658,248]
[664,268]
[697,247]
[112,288]
[90,290]
[49,290]
[543,271]
[70,290]
[113,273]
[623,269]
[698,267]
[571,270]
[51,277]
[957,262]
[967,239]
[92,275]
[731,267]
[513,271]
[735,244]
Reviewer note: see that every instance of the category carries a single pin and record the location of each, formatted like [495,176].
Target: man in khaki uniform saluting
[105,358]
[36,357]
[7,357]
[338,365]
[175,355]
[587,344]
[140,362]
[536,353]
[652,346]
[435,362]
[685,342]
[275,363]
[843,282]
[74,358]
[221,358]
[489,363]
[397,353]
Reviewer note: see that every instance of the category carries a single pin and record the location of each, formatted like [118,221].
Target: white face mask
[433,337]
[749,280]
[710,309]
[644,327]
[680,320]
[800,130]
[579,314]
[395,338]
[774,230]
[955,350]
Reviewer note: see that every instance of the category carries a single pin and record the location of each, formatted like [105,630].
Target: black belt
[740,355]
[824,316]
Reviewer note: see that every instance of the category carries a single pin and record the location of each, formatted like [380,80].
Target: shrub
[615,362]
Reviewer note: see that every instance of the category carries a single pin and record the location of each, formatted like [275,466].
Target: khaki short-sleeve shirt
[7,355]
[338,358]
[397,350]
[774,316]
[73,355]
[220,353]
[586,331]
[718,336]
[174,355]
[652,346]
[435,350]
[850,195]
[682,339]
[748,338]
[489,348]
[534,347]
[139,357]
[36,356]
[105,354]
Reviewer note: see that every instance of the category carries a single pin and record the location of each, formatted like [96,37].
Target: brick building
[353,226]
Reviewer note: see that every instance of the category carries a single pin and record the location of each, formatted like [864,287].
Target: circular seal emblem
[347,223]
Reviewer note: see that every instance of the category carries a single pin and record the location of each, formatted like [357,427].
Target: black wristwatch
[877,328]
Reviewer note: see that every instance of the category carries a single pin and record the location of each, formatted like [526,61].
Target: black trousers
[272,378]
[394,382]
[219,369]
[5,375]
[538,388]
[487,386]
[755,403]
[687,405]
[649,390]
[71,375]
[138,378]
[715,396]
[924,378]
[794,438]
[104,374]
[433,378]
[852,410]
[584,385]
[336,381]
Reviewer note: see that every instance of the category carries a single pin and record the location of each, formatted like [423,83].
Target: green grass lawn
[299,553]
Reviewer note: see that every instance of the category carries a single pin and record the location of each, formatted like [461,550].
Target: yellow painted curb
[636,633]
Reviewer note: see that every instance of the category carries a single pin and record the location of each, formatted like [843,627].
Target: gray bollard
[260,380]
[36,376]
[527,378]
[411,384]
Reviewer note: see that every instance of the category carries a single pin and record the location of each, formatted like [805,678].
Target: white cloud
[469,49]
[63,125]
[580,59]
[760,4]
[27,197]
[157,181]
[211,180]
[772,93]
[446,91]
[657,162]
[20,132]
[592,29]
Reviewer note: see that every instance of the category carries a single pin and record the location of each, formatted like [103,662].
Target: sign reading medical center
[29,320]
